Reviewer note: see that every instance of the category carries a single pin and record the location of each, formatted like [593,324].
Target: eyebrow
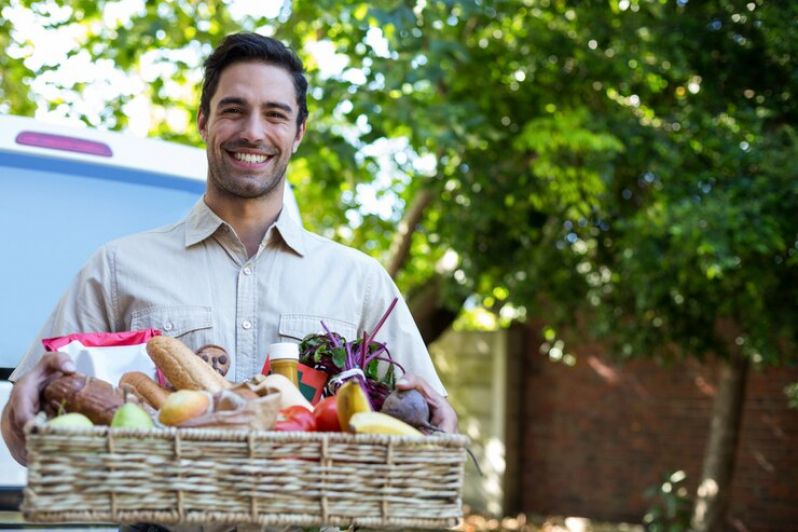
[235,100]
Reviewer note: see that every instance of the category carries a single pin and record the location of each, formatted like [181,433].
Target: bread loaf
[277,383]
[182,368]
[145,388]
[92,397]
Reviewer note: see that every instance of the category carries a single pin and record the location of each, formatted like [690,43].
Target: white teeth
[249,157]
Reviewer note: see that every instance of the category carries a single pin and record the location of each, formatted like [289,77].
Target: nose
[253,130]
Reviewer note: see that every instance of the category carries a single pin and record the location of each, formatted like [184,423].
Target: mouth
[250,158]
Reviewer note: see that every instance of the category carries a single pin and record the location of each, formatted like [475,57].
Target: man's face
[251,131]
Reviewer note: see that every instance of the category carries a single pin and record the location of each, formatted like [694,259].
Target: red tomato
[326,414]
[295,419]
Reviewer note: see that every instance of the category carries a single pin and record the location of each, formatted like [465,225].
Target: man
[237,271]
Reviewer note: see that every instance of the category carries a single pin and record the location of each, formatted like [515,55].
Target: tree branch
[400,247]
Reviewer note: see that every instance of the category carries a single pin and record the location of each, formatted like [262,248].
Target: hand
[442,415]
[24,402]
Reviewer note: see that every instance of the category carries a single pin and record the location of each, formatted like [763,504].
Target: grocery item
[276,383]
[295,419]
[379,423]
[326,414]
[284,360]
[351,400]
[145,388]
[181,366]
[364,359]
[216,357]
[72,419]
[95,398]
[259,413]
[183,405]
[409,406]
[131,416]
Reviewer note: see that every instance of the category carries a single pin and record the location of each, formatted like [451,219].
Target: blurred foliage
[791,391]
[630,162]
[672,506]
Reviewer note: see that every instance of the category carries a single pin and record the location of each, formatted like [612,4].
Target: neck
[249,218]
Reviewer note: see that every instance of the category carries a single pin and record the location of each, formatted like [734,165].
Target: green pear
[73,419]
[131,416]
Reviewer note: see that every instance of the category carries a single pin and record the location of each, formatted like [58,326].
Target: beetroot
[410,407]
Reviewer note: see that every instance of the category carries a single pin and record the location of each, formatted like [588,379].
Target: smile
[250,157]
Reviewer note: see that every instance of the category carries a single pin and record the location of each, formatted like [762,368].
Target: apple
[131,416]
[72,419]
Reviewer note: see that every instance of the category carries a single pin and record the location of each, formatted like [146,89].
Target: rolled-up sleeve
[399,333]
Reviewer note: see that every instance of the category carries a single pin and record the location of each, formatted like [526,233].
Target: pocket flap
[173,321]
[298,326]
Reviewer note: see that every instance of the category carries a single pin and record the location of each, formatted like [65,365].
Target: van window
[55,213]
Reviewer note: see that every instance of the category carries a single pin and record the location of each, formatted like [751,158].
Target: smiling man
[238,271]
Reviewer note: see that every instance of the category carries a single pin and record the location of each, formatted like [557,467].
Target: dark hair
[238,47]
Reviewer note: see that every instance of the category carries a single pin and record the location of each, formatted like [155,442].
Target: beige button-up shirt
[193,280]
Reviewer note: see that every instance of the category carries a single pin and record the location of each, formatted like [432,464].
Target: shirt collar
[291,232]
[202,222]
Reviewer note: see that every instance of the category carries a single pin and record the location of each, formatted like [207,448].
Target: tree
[628,162]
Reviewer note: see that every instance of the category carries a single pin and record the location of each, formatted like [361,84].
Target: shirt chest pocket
[295,327]
[193,325]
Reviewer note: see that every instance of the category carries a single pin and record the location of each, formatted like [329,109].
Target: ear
[300,134]
[202,125]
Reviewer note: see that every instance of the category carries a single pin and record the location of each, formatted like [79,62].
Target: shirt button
[247,270]
[167,327]
[246,324]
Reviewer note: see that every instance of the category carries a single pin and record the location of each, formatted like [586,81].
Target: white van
[65,192]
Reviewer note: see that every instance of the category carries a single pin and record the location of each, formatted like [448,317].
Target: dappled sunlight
[495,455]
[493,468]
[708,488]
[474,522]
[603,370]
[473,428]
[704,387]
[483,347]
[763,462]
[772,423]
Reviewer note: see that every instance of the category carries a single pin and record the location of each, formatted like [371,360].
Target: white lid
[283,350]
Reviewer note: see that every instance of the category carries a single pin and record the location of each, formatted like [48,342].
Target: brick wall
[593,437]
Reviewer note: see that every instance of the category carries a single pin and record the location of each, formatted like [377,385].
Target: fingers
[24,403]
[57,362]
[442,415]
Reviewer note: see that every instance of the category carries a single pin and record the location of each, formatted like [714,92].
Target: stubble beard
[250,186]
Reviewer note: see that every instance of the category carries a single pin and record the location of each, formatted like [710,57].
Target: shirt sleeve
[86,306]
[399,333]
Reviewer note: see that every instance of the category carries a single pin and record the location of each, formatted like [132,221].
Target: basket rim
[39,426]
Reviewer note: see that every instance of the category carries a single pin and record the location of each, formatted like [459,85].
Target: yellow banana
[379,423]
[351,399]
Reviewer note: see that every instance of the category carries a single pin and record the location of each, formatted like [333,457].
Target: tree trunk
[425,303]
[714,489]
[400,247]
[428,312]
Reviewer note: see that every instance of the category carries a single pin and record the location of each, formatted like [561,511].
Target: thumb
[26,391]
[57,362]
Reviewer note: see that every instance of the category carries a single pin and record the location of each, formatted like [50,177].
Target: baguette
[145,388]
[182,367]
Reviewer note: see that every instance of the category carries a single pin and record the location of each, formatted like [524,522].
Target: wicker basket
[204,476]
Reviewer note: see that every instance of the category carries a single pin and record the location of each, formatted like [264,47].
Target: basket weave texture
[203,476]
